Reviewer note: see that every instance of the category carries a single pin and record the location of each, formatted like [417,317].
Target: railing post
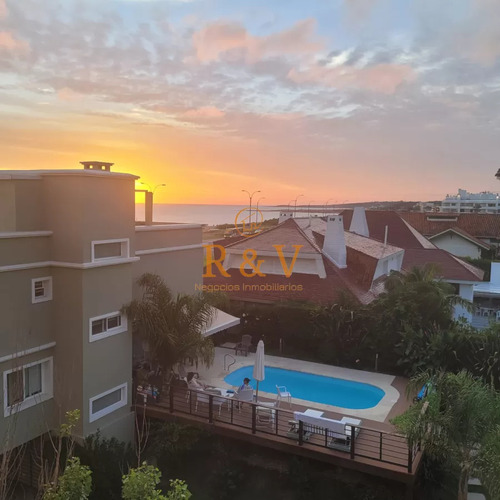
[254,419]
[301,432]
[171,398]
[210,408]
[410,458]
[353,440]
[231,402]
[191,402]
[276,420]
[380,454]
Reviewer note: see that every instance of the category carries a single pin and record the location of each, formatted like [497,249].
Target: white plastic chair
[205,398]
[244,396]
[283,394]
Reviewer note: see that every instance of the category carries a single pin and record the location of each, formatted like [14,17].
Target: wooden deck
[377,449]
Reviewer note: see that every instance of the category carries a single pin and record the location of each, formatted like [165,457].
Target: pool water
[310,387]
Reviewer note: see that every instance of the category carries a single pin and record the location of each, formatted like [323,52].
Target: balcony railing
[265,419]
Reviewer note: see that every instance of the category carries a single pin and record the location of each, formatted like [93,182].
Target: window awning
[220,321]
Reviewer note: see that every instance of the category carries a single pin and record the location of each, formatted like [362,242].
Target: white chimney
[284,215]
[358,222]
[334,244]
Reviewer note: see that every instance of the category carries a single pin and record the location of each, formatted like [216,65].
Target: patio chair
[243,396]
[265,415]
[204,397]
[244,346]
[283,394]
[293,431]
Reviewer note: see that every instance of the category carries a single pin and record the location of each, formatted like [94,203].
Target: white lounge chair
[283,394]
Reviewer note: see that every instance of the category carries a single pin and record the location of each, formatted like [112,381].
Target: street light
[250,196]
[261,198]
[326,205]
[295,209]
[157,186]
[309,208]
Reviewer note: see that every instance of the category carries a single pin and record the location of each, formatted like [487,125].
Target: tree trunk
[463,485]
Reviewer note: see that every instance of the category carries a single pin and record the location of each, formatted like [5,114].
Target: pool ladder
[226,368]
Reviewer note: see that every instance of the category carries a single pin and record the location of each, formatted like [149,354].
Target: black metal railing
[265,418]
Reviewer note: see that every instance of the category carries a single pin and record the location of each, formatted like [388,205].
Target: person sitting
[195,383]
[245,386]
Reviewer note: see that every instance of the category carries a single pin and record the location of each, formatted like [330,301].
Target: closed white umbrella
[258,368]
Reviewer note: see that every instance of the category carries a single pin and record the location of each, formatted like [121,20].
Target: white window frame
[47,286]
[108,332]
[109,409]
[47,387]
[124,249]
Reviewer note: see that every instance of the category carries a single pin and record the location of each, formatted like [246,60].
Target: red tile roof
[298,287]
[449,267]
[398,233]
[482,226]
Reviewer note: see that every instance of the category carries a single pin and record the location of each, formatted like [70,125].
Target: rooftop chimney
[97,165]
[358,222]
[334,244]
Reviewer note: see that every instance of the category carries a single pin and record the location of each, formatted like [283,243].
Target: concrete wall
[456,245]
[466,291]
[82,209]
[107,363]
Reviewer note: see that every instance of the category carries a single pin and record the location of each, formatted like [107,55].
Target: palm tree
[171,325]
[460,426]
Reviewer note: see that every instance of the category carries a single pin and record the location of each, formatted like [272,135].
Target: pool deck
[393,403]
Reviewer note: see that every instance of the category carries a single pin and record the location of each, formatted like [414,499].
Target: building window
[107,402]
[110,249]
[41,289]
[27,386]
[104,326]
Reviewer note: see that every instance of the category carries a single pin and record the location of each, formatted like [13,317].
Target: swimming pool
[310,387]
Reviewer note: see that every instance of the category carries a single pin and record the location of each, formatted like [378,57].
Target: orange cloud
[8,42]
[384,78]
[219,38]
[204,112]
[3,9]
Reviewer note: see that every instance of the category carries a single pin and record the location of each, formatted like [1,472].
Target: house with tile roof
[352,251]
[470,235]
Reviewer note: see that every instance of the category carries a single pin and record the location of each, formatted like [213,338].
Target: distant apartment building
[465,202]
[70,253]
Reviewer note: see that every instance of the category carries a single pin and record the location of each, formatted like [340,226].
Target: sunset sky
[347,100]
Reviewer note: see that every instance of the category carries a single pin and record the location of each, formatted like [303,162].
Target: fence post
[210,408]
[277,419]
[380,455]
[301,432]
[254,419]
[171,398]
[353,440]
[231,402]
[410,458]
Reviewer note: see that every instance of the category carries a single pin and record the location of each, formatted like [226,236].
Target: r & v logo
[250,259]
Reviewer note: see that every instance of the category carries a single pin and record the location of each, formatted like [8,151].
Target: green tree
[459,426]
[141,484]
[172,325]
[74,484]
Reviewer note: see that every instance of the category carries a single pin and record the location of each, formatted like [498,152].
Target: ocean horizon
[199,214]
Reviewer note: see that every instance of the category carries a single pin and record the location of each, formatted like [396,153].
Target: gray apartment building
[70,253]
